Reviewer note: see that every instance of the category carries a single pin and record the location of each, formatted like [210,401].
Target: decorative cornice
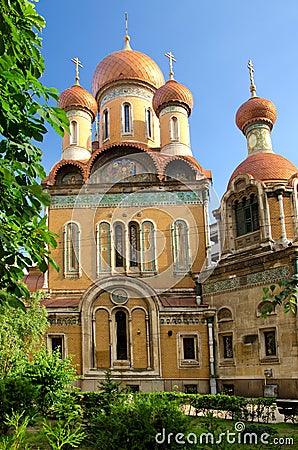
[252,279]
[55,320]
[125,200]
[126,91]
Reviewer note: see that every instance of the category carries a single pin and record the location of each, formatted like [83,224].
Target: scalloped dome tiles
[126,65]
[256,109]
[77,96]
[172,92]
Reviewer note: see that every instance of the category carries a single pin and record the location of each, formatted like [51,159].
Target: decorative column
[210,321]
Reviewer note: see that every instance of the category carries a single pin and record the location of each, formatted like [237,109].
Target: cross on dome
[253,88]
[78,64]
[171,59]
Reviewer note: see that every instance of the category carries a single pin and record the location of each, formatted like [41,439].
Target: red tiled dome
[172,92]
[265,167]
[77,96]
[126,64]
[256,109]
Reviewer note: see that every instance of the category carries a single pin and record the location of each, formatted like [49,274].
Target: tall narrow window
[121,334]
[134,244]
[180,246]
[71,249]
[246,215]
[149,123]
[148,247]
[228,347]
[189,348]
[270,343]
[174,129]
[73,132]
[106,125]
[119,245]
[104,247]
[126,118]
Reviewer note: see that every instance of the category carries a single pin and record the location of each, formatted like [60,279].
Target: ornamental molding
[123,200]
[64,320]
[173,109]
[182,319]
[126,92]
[250,280]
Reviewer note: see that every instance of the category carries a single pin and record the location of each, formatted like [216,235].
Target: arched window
[134,244]
[104,247]
[71,250]
[106,124]
[119,245]
[73,132]
[180,246]
[121,335]
[148,247]
[174,129]
[246,215]
[127,118]
[149,123]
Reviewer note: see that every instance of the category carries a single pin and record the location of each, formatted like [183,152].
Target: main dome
[126,64]
[265,167]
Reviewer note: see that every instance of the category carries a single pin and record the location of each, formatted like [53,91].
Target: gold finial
[127,38]
[78,64]
[171,58]
[253,88]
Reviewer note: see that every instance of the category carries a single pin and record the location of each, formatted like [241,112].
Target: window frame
[71,271]
[246,214]
[264,357]
[190,362]
[127,119]
[106,124]
[74,132]
[64,346]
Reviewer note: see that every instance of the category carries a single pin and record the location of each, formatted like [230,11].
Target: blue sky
[212,42]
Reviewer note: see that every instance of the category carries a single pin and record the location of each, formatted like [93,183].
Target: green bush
[133,422]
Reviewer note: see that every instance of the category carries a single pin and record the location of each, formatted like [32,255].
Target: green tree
[286,297]
[24,112]
[20,332]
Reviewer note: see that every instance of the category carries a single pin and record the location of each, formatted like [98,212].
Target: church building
[138,291]
[131,211]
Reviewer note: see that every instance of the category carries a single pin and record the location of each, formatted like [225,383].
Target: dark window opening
[119,246]
[190,389]
[134,245]
[247,215]
[228,389]
[127,125]
[270,343]
[121,335]
[228,346]
[189,348]
[106,124]
[149,123]
[57,344]
[133,387]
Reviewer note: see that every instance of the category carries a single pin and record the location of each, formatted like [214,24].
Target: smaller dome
[172,92]
[265,167]
[256,109]
[77,96]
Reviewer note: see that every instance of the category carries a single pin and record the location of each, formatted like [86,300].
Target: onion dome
[256,110]
[76,96]
[126,64]
[265,167]
[172,92]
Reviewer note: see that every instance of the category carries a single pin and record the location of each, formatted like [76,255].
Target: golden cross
[78,64]
[171,58]
[253,88]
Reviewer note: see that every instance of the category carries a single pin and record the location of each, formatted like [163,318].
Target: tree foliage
[24,113]
[286,297]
